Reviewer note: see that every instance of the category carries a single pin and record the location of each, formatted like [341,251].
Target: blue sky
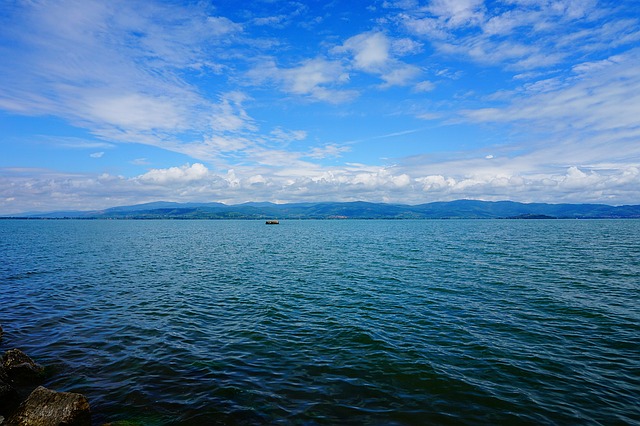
[124,102]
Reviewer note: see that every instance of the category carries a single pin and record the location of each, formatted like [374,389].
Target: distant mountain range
[461,209]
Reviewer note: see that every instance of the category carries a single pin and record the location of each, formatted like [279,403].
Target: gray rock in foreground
[20,368]
[45,407]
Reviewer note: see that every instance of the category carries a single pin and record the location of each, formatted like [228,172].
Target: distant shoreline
[309,218]
[460,209]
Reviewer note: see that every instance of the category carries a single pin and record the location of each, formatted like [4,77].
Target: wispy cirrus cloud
[112,69]
[457,13]
[316,79]
[281,15]
[75,142]
[282,135]
[519,35]
[597,97]
[329,150]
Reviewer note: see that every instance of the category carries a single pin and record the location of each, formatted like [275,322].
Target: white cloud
[401,75]
[135,111]
[426,27]
[405,46]
[600,98]
[282,135]
[176,175]
[330,150]
[116,68]
[370,50]
[273,21]
[97,154]
[424,86]
[518,35]
[440,17]
[315,79]
[288,12]
[75,142]
[230,115]
[310,77]
[457,12]
[140,161]
[429,116]
[574,185]
[403,183]
[221,26]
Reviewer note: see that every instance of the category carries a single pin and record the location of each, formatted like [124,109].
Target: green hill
[460,209]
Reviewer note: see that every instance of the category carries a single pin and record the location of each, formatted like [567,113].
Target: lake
[394,322]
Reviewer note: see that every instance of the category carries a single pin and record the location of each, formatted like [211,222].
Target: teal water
[331,322]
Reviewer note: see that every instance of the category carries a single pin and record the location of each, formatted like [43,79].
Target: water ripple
[331,322]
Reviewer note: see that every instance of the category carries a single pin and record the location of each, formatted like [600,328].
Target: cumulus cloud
[573,185]
[46,190]
[175,175]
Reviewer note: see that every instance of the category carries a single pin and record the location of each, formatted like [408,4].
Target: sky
[125,102]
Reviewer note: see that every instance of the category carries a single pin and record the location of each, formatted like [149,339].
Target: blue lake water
[331,322]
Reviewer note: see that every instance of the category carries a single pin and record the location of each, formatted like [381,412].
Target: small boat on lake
[273,222]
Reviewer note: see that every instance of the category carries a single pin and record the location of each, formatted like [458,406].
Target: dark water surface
[331,322]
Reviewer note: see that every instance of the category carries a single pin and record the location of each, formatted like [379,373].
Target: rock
[9,397]
[45,407]
[20,368]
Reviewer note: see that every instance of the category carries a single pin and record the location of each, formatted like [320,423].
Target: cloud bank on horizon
[123,102]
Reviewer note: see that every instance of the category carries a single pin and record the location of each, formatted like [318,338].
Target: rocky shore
[24,402]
